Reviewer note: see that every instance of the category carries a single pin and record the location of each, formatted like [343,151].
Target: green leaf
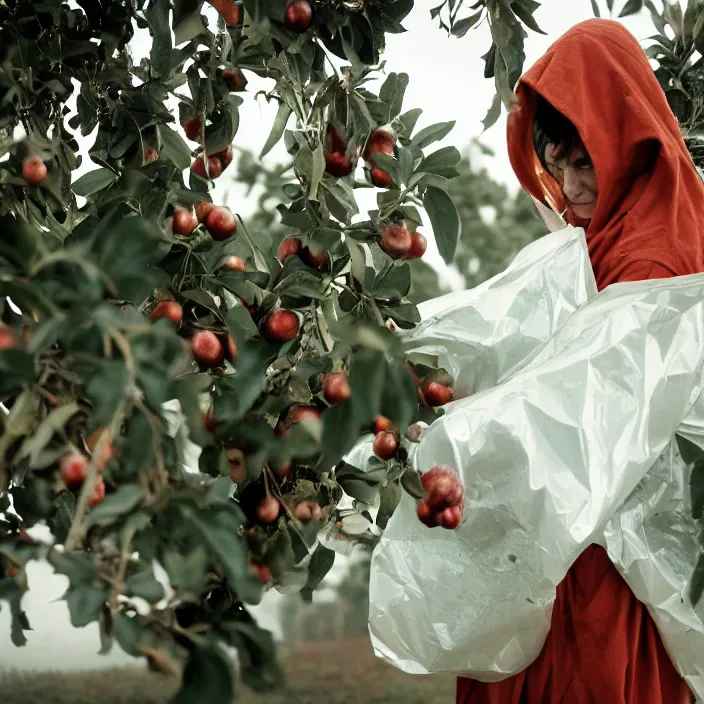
[257,649]
[527,17]
[187,571]
[320,564]
[277,129]
[207,678]
[595,8]
[390,498]
[157,14]
[175,148]
[204,299]
[128,633]
[410,481]
[116,505]
[93,181]
[443,162]
[55,421]
[630,8]
[408,122]
[145,586]
[461,27]
[85,603]
[392,92]
[432,133]
[445,221]
[493,113]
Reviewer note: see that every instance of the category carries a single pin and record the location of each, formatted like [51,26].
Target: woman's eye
[583,164]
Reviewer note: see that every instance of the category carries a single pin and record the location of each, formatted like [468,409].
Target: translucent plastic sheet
[573,446]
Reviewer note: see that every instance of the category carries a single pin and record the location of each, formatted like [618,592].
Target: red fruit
[203,207]
[334,141]
[380,142]
[98,494]
[207,350]
[150,154]
[385,444]
[302,512]
[233,263]
[229,11]
[236,464]
[426,514]
[235,80]
[268,509]
[230,350]
[221,223]
[318,260]
[336,387]
[382,424]
[8,338]
[288,247]
[214,167]
[73,468]
[414,432]
[262,572]
[395,240]
[437,394]
[443,488]
[299,413]
[194,128]
[225,156]
[34,170]
[298,16]
[280,325]
[168,309]
[380,178]
[184,221]
[418,246]
[338,164]
[451,517]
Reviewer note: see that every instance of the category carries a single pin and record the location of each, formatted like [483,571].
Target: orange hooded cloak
[603,647]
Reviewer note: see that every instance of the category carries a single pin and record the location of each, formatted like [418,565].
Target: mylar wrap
[563,433]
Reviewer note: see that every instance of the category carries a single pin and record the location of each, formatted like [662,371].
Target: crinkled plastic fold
[570,443]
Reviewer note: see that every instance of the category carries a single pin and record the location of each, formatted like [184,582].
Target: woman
[592,136]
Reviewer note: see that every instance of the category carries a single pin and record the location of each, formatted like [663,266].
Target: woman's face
[575,174]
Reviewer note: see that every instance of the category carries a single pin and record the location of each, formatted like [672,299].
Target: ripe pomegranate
[98,493]
[194,128]
[221,223]
[280,325]
[235,80]
[203,207]
[418,246]
[336,387]
[385,444]
[230,12]
[395,240]
[230,349]
[437,394]
[236,464]
[261,571]
[73,468]
[150,154]
[443,488]
[233,263]
[318,260]
[207,350]
[288,247]
[380,178]
[214,167]
[380,141]
[184,221]
[225,156]
[168,309]
[8,337]
[34,170]
[298,16]
[382,424]
[268,509]
[338,164]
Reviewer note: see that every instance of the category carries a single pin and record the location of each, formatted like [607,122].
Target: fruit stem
[125,554]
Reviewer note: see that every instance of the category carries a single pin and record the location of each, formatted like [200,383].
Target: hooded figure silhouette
[616,164]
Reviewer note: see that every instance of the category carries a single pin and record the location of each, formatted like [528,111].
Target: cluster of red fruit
[396,240]
[74,468]
[380,142]
[217,163]
[290,246]
[443,503]
[219,221]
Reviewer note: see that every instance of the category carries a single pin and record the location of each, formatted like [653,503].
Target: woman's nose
[572,185]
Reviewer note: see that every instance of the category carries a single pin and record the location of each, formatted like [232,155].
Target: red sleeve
[643,270]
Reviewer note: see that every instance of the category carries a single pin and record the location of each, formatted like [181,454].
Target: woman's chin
[584,212]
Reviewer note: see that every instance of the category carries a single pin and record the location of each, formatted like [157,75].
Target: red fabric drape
[603,647]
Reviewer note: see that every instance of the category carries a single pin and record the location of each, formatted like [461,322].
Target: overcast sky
[446,81]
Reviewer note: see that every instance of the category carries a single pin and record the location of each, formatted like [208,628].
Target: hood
[651,198]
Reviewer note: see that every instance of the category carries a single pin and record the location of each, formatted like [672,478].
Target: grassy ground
[344,672]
